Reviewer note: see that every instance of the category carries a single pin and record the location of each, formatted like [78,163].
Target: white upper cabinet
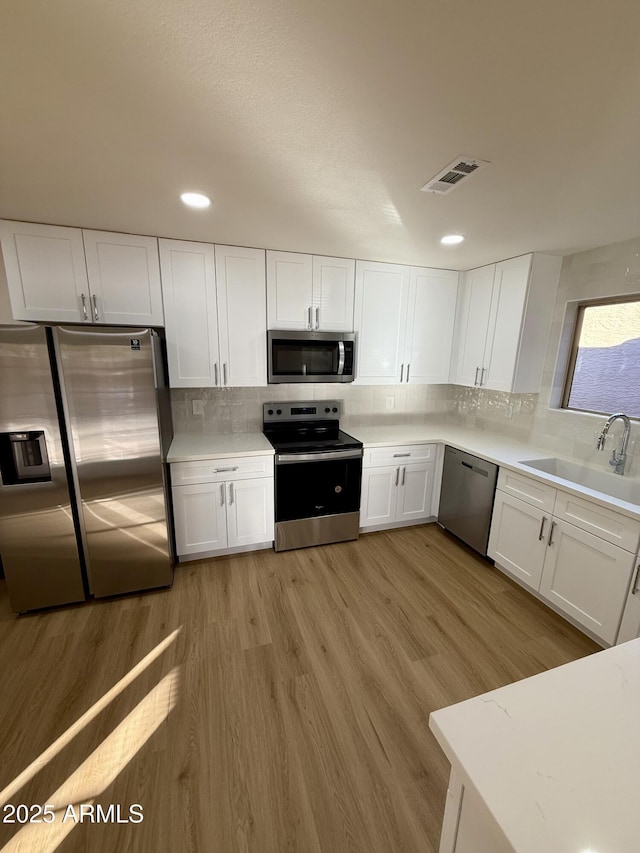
[240,284]
[404,318]
[124,278]
[504,323]
[309,292]
[215,314]
[333,289]
[431,318]
[473,322]
[381,301]
[69,275]
[46,272]
[191,313]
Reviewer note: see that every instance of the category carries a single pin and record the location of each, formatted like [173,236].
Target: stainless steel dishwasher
[466,497]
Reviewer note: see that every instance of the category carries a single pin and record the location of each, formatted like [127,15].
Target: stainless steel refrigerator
[85,424]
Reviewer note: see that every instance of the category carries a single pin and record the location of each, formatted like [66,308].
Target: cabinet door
[431,317]
[289,290]
[587,578]
[382,296]
[190,310]
[379,495]
[250,518]
[471,332]
[630,625]
[46,272]
[505,324]
[200,518]
[415,491]
[518,538]
[124,278]
[333,293]
[242,315]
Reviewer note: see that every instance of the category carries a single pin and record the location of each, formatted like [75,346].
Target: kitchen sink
[591,478]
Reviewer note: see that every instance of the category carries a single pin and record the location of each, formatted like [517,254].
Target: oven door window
[309,489]
[304,358]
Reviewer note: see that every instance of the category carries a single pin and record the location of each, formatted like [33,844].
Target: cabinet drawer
[217,470]
[403,455]
[531,491]
[606,523]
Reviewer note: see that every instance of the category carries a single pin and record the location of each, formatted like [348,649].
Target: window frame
[580,307]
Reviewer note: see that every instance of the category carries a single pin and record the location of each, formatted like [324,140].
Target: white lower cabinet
[630,625]
[397,493]
[583,575]
[232,510]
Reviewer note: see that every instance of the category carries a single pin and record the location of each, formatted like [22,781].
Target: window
[604,369]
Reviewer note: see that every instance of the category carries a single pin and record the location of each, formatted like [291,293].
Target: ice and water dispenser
[23,458]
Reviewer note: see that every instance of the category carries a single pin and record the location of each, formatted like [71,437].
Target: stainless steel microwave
[310,356]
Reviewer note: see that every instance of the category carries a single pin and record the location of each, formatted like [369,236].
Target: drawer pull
[542,523]
[396,455]
[635,585]
[223,470]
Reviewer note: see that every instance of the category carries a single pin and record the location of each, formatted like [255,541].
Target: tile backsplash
[228,410]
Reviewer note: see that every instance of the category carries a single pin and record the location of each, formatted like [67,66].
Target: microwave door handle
[340,358]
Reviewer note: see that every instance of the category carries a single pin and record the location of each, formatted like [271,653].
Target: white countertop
[186,447]
[493,447]
[556,757]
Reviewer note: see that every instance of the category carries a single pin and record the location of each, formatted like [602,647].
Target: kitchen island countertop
[554,757]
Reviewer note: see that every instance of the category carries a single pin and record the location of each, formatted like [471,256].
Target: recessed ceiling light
[451,239]
[195,199]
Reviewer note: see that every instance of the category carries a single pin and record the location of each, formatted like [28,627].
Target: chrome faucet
[618,458]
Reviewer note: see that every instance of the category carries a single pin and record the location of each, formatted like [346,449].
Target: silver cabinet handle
[542,523]
[84,306]
[230,493]
[224,372]
[215,373]
[401,371]
[404,471]
[408,369]
[484,370]
[221,494]
[635,585]
[317,318]
[220,470]
[397,455]
[397,475]
[475,381]
[550,542]
[94,299]
[309,310]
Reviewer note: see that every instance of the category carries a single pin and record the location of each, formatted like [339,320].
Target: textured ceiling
[312,125]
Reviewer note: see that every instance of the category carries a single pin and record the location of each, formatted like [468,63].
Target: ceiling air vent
[453,174]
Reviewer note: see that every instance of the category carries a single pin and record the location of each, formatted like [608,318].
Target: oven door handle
[340,358]
[321,456]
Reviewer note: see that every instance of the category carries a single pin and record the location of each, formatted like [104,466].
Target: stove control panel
[302,410]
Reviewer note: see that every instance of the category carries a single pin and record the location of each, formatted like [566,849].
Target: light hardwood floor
[267,702]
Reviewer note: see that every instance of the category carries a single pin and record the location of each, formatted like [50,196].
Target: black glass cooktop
[309,437]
